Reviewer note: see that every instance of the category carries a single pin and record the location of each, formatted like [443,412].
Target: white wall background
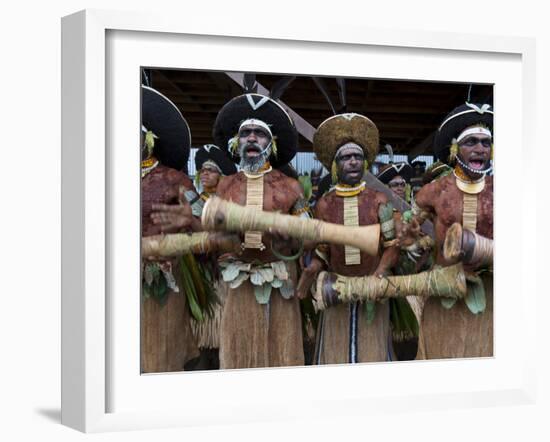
[30,214]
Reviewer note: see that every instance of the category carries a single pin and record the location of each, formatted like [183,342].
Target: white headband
[255,122]
[349,145]
[473,130]
[212,164]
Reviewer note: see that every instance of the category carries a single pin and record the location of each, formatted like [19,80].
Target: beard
[255,163]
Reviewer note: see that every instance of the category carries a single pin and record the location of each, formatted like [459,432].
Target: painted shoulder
[226,182]
[292,183]
[177,177]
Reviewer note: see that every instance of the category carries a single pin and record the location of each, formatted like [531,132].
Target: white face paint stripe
[479,130]
[256,122]
[210,163]
[348,145]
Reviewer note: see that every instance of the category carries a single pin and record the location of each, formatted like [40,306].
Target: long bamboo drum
[467,246]
[333,289]
[219,214]
[179,243]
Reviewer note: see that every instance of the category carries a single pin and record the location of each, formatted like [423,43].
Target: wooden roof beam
[176,88]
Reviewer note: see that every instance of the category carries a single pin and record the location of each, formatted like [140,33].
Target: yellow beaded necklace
[345,190]
[466,184]
[148,165]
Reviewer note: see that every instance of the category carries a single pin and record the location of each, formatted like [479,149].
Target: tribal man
[212,165]
[166,339]
[463,328]
[355,332]
[261,320]
[397,177]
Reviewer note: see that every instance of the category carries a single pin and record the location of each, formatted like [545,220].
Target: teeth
[470,167]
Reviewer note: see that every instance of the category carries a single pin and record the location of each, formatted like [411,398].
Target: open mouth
[476,163]
[252,151]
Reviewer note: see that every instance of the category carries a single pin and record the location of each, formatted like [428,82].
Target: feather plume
[319,82]
[342,93]
[249,83]
[390,152]
[280,87]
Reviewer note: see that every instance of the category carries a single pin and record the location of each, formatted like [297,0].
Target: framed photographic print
[107,56]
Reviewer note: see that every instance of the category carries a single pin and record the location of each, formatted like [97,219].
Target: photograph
[307,246]
[292,220]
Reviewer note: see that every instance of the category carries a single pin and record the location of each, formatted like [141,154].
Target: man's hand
[278,235]
[308,277]
[388,260]
[172,218]
[407,232]
[280,239]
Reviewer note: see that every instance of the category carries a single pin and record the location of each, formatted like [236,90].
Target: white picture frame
[101,390]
